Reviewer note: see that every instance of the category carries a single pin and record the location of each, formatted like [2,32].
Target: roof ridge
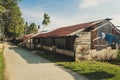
[63,31]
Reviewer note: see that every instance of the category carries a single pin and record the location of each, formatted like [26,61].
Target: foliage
[12,21]
[38,26]
[46,20]
[32,28]
[1,9]
[1,66]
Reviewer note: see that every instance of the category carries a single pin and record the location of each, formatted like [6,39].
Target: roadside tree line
[12,24]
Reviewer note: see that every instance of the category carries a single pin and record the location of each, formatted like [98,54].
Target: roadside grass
[94,70]
[1,65]
[91,69]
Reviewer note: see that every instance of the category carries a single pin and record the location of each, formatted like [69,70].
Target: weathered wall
[65,52]
[104,54]
[82,44]
[62,45]
[100,43]
[47,48]
[60,42]
[89,46]
[60,51]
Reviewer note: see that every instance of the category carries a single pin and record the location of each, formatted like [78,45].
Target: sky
[69,12]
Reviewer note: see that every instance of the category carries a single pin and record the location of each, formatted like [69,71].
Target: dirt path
[24,65]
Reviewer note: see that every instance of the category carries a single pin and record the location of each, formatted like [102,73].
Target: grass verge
[1,65]
[92,69]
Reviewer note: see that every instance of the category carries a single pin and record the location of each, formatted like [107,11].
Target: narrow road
[22,64]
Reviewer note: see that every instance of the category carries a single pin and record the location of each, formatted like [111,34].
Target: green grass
[1,66]
[92,69]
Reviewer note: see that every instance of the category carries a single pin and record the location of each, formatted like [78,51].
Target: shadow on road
[32,58]
[28,56]
[35,57]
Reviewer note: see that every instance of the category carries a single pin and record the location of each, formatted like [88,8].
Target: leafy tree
[46,20]
[13,22]
[1,9]
[31,29]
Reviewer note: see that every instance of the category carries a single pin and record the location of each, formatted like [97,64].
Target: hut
[80,41]
[27,39]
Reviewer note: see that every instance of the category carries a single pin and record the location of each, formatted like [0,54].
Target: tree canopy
[46,19]
[32,28]
[1,9]
[12,21]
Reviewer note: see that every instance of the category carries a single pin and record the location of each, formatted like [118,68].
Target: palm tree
[46,20]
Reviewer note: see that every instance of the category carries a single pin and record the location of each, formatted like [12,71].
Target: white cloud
[90,3]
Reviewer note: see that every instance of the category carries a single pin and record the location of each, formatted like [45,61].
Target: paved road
[24,65]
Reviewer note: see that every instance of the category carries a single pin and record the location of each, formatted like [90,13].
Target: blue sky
[69,12]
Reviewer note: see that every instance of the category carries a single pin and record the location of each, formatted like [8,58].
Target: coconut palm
[46,20]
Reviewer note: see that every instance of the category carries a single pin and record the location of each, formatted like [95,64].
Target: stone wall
[104,54]
[82,45]
[101,55]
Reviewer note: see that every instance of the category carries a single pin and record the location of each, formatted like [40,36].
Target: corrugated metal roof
[65,31]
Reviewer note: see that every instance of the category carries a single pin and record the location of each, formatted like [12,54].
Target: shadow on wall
[100,75]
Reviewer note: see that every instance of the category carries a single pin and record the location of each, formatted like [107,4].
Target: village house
[27,39]
[82,41]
